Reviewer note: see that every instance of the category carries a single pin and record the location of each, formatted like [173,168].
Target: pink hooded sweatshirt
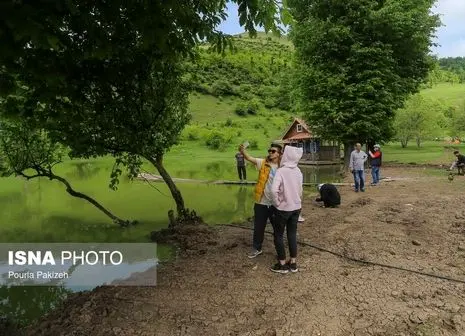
[287,183]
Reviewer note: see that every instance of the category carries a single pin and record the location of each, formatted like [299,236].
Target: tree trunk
[158,163]
[77,194]
[403,143]
[369,147]
[348,148]
[418,142]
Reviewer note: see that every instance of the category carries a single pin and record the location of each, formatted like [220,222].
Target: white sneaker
[301,219]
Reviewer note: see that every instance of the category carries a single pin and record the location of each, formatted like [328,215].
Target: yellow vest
[261,182]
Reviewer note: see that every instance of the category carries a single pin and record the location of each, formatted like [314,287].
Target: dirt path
[417,223]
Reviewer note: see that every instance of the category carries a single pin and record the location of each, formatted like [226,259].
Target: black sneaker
[293,267]
[278,268]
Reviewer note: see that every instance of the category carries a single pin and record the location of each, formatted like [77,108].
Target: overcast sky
[451,36]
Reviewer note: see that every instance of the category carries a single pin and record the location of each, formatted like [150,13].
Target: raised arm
[375,154]
[247,156]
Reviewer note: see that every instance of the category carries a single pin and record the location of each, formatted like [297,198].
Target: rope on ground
[366,262]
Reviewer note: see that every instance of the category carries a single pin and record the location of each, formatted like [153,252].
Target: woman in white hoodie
[287,200]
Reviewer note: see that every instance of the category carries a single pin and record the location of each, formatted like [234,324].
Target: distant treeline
[455,65]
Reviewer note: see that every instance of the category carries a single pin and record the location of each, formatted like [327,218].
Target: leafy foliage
[457,120]
[110,76]
[358,61]
[256,68]
[455,65]
[420,119]
[440,75]
[23,148]
[218,140]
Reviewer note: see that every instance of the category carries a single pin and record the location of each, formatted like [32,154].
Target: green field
[430,152]
[450,94]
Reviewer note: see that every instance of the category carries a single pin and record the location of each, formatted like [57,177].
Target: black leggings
[285,220]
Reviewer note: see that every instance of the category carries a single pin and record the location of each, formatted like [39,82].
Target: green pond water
[40,211]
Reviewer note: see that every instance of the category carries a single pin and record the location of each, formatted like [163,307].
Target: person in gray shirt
[356,166]
[240,162]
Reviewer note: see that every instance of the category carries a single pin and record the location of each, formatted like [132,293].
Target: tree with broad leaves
[357,62]
[419,119]
[108,72]
[28,152]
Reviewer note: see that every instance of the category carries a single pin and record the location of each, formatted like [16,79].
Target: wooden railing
[326,153]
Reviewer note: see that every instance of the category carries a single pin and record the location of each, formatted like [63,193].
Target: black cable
[443,277]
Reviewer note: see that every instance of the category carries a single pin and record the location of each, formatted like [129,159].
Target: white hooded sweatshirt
[287,183]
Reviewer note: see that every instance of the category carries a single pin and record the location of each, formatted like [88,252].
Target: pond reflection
[25,304]
[41,211]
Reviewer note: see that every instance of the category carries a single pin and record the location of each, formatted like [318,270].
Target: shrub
[245,91]
[253,107]
[217,140]
[229,123]
[241,109]
[269,102]
[203,88]
[222,88]
[192,133]
[253,144]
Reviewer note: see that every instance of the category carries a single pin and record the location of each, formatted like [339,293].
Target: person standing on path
[240,162]
[376,158]
[287,205]
[356,166]
[263,195]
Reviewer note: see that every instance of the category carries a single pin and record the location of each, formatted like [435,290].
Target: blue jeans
[375,174]
[359,178]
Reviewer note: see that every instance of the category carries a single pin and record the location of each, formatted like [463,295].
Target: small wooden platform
[157,178]
[319,163]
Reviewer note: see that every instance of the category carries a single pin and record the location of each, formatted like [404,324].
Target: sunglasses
[272,151]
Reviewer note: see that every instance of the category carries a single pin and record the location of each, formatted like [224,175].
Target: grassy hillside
[241,96]
[245,96]
[212,115]
[450,94]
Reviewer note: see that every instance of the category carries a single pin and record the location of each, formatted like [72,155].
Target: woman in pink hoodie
[287,200]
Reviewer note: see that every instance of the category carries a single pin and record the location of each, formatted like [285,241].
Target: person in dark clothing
[240,162]
[329,195]
[376,158]
[459,163]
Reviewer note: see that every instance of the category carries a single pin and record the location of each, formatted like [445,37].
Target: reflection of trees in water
[24,304]
[241,198]
[219,169]
[321,174]
[17,203]
[84,170]
[11,198]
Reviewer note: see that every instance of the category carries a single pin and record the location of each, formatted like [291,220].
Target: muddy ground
[416,222]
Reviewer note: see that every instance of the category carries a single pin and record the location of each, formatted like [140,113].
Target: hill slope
[245,96]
